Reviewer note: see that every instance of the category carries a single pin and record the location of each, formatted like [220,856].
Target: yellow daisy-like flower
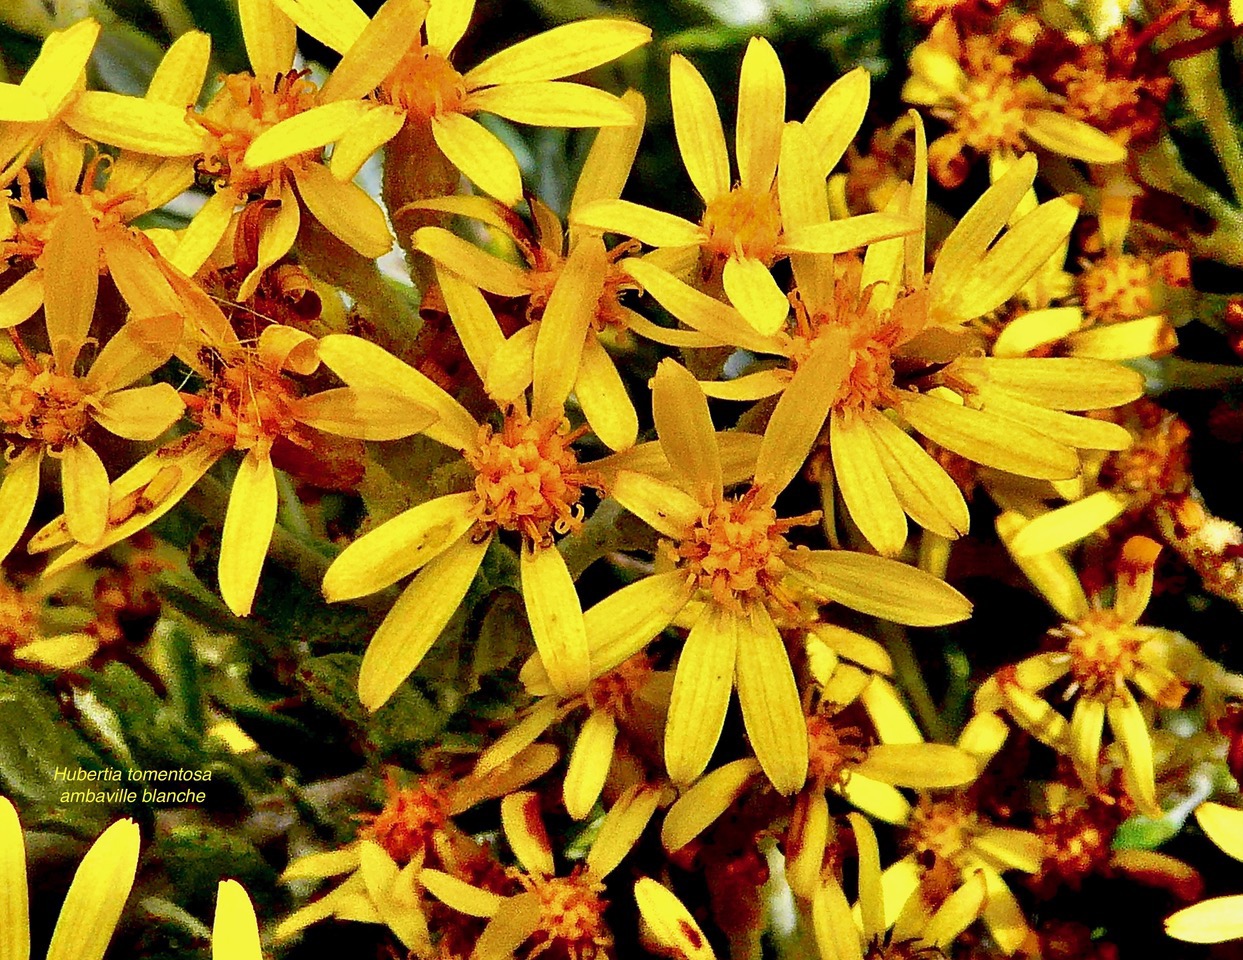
[866,935]
[991,107]
[731,558]
[248,109]
[528,481]
[1219,918]
[401,61]
[235,929]
[46,406]
[611,699]
[747,228]
[248,404]
[911,363]
[93,904]
[51,102]
[563,914]
[1105,654]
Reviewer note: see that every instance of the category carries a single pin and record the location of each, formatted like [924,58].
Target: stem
[910,679]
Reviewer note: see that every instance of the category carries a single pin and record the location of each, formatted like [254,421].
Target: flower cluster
[562,570]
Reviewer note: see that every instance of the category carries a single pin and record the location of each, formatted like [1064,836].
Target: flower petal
[133,123]
[375,52]
[560,52]
[771,710]
[1130,729]
[446,23]
[687,436]
[480,155]
[653,227]
[752,289]
[235,931]
[360,142]
[1224,826]
[883,588]
[21,300]
[248,525]
[610,158]
[416,620]
[622,827]
[345,209]
[836,117]
[570,310]
[1058,383]
[85,483]
[556,619]
[334,23]
[670,923]
[700,806]
[14,898]
[523,823]
[866,491]
[601,393]
[701,688]
[1072,138]
[70,264]
[552,103]
[363,414]
[1215,920]
[840,236]
[1067,524]
[97,895]
[589,763]
[761,115]
[927,493]
[697,125]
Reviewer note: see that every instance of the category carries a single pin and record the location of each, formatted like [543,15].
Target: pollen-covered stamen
[875,335]
[40,214]
[1105,652]
[247,406]
[528,478]
[989,112]
[615,691]
[425,85]
[571,917]
[41,405]
[832,749]
[237,115]
[737,552]
[1157,464]
[19,620]
[411,820]
[744,223]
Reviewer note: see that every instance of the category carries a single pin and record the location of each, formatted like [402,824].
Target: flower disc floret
[1117,288]
[19,619]
[248,406]
[242,110]
[528,477]
[43,405]
[831,749]
[615,691]
[1103,650]
[425,85]
[571,917]
[743,222]
[410,821]
[943,829]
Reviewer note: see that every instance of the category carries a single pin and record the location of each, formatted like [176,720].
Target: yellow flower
[93,904]
[41,627]
[915,933]
[1104,654]
[738,576]
[1219,918]
[403,55]
[507,368]
[991,107]
[414,830]
[46,406]
[528,481]
[248,403]
[248,109]
[611,699]
[51,102]
[747,228]
[911,363]
[563,914]
[235,930]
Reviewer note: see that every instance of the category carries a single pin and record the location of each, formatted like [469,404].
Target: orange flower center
[832,749]
[410,821]
[615,691]
[529,479]
[943,829]
[18,618]
[571,917]
[1117,288]
[743,223]
[42,405]
[737,552]
[425,85]
[239,113]
[39,215]
[1156,465]
[990,110]
[1103,650]
[248,406]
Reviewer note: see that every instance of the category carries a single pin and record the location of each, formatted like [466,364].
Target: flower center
[615,691]
[743,223]
[529,479]
[1157,464]
[737,552]
[39,215]
[425,85]
[410,821]
[248,406]
[832,749]
[1104,651]
[571,917]
[1117,288]
[942,830]
[42,405]
[18,618]
[240,112]
[991,106]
